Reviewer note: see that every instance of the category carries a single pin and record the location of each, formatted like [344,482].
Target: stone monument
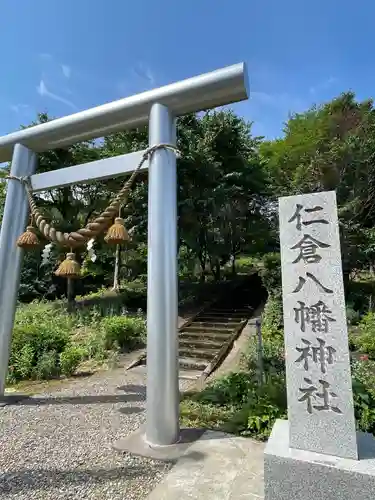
[316,454]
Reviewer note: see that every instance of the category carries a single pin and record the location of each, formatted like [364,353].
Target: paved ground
[217,467]
[59,445]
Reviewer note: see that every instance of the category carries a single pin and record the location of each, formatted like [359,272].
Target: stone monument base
[291,474]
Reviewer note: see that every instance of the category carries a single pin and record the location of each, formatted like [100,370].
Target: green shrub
[40,329]
[123,331]
[237,404]
[96,345]
[47,341]
[273,355]
[206,416]
[136,294]
[272,317]
[246,264]
[22,363]
[47,365]
[265,404]
[231,389]
[363,374]
[270,273]
[353,317]
[40,337]
[365,340]
[70,359]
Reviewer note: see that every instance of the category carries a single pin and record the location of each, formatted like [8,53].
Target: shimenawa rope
[100,223]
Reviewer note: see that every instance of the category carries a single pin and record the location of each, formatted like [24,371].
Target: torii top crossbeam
[217,88]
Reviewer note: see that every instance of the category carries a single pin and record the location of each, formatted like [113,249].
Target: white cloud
[145,73]
[140,78]
[44,92]
[66,70]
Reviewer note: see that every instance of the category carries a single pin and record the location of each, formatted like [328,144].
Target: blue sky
[63,56]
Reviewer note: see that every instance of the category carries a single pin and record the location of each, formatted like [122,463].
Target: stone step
[207,355]
[189,374]
[218,319]
[218,337]
[204,329]
[191,363]
[207,324]
[200,343]
[231,311]
[224,314]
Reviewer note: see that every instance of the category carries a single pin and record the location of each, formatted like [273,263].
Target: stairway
[206,339]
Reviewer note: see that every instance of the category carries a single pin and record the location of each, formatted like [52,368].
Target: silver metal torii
[158,107]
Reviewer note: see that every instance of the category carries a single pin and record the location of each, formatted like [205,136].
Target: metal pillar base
[136,444]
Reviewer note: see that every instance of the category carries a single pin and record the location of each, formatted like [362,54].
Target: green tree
[331,146]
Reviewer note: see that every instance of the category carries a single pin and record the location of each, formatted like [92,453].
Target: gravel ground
[58,445]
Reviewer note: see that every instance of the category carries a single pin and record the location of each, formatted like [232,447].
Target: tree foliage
[228,185]
[222,192]
[332,147]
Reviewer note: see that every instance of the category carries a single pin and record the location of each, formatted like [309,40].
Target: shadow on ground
[134,393]
[19,480]
[75,400]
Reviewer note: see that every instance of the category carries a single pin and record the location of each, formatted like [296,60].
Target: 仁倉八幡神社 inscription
[308,247]
[298,218]
[311,393]
[317,354]
[316,315]
[320,353]
[302,281]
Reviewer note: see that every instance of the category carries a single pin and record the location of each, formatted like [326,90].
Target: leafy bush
[40,337]
[353,317]
[270,273]
[136,294]
[365,340]
[231,389]
[246,264]
[47,365]
[363,374]
[237,404]
[47,341]
[40,329]
[206,416]
[22,363]
[272,317]
[265,403]
[70,359]
[273,355]
[123,331]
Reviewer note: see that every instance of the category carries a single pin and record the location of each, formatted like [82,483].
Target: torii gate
[158,107]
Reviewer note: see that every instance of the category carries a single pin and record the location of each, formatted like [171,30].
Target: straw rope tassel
[117,233]
[69,268]
[29,239]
